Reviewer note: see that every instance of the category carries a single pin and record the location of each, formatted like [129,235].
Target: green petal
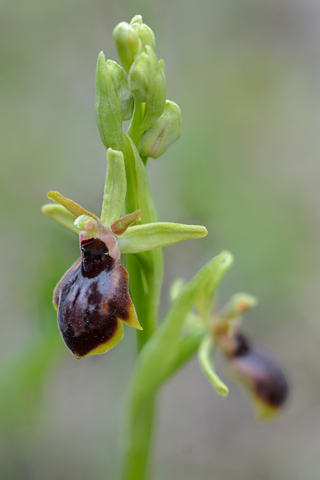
[206,362]
[70,205]
[141,238]
[120,226]
[61,215]
[238,304]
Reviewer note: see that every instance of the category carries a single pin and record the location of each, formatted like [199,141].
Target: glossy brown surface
[268,381]
[91,296]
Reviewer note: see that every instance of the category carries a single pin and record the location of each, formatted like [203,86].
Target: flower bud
[145,33]
[93,296]
[155,141]
[162,64]
[147,83]
[146,36]
[137,19]
[127,43]
[120,83]
[107,106]
[139,77]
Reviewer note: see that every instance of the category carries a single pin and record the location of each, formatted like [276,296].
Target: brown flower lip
[92,297]
[264,376]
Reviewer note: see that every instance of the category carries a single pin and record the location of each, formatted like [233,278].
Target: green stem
[138,437]
[146,273]
[164,353]
[135,131]
[146,286]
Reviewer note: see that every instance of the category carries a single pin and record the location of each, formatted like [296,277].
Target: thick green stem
[146,273]
[137,439]
[137,443]
[146,286]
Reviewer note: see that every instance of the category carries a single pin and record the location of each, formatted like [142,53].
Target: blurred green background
[246,77]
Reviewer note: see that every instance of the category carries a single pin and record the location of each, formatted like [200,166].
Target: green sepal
[238,305]
[206,362]
[115,187]
[61,215]
[228,320]
[141,238]
[205,300]
[107,106]
[159,352]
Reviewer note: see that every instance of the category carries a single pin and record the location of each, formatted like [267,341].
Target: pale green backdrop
[246,77]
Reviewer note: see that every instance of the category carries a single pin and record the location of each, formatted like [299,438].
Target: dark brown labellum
[92,298]
[264,376]
[95,257]
[242,346]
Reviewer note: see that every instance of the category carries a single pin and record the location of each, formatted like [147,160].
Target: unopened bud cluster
[138,84]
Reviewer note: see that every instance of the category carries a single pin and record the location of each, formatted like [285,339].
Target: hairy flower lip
[92,298]
[263,375]
[254,368]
